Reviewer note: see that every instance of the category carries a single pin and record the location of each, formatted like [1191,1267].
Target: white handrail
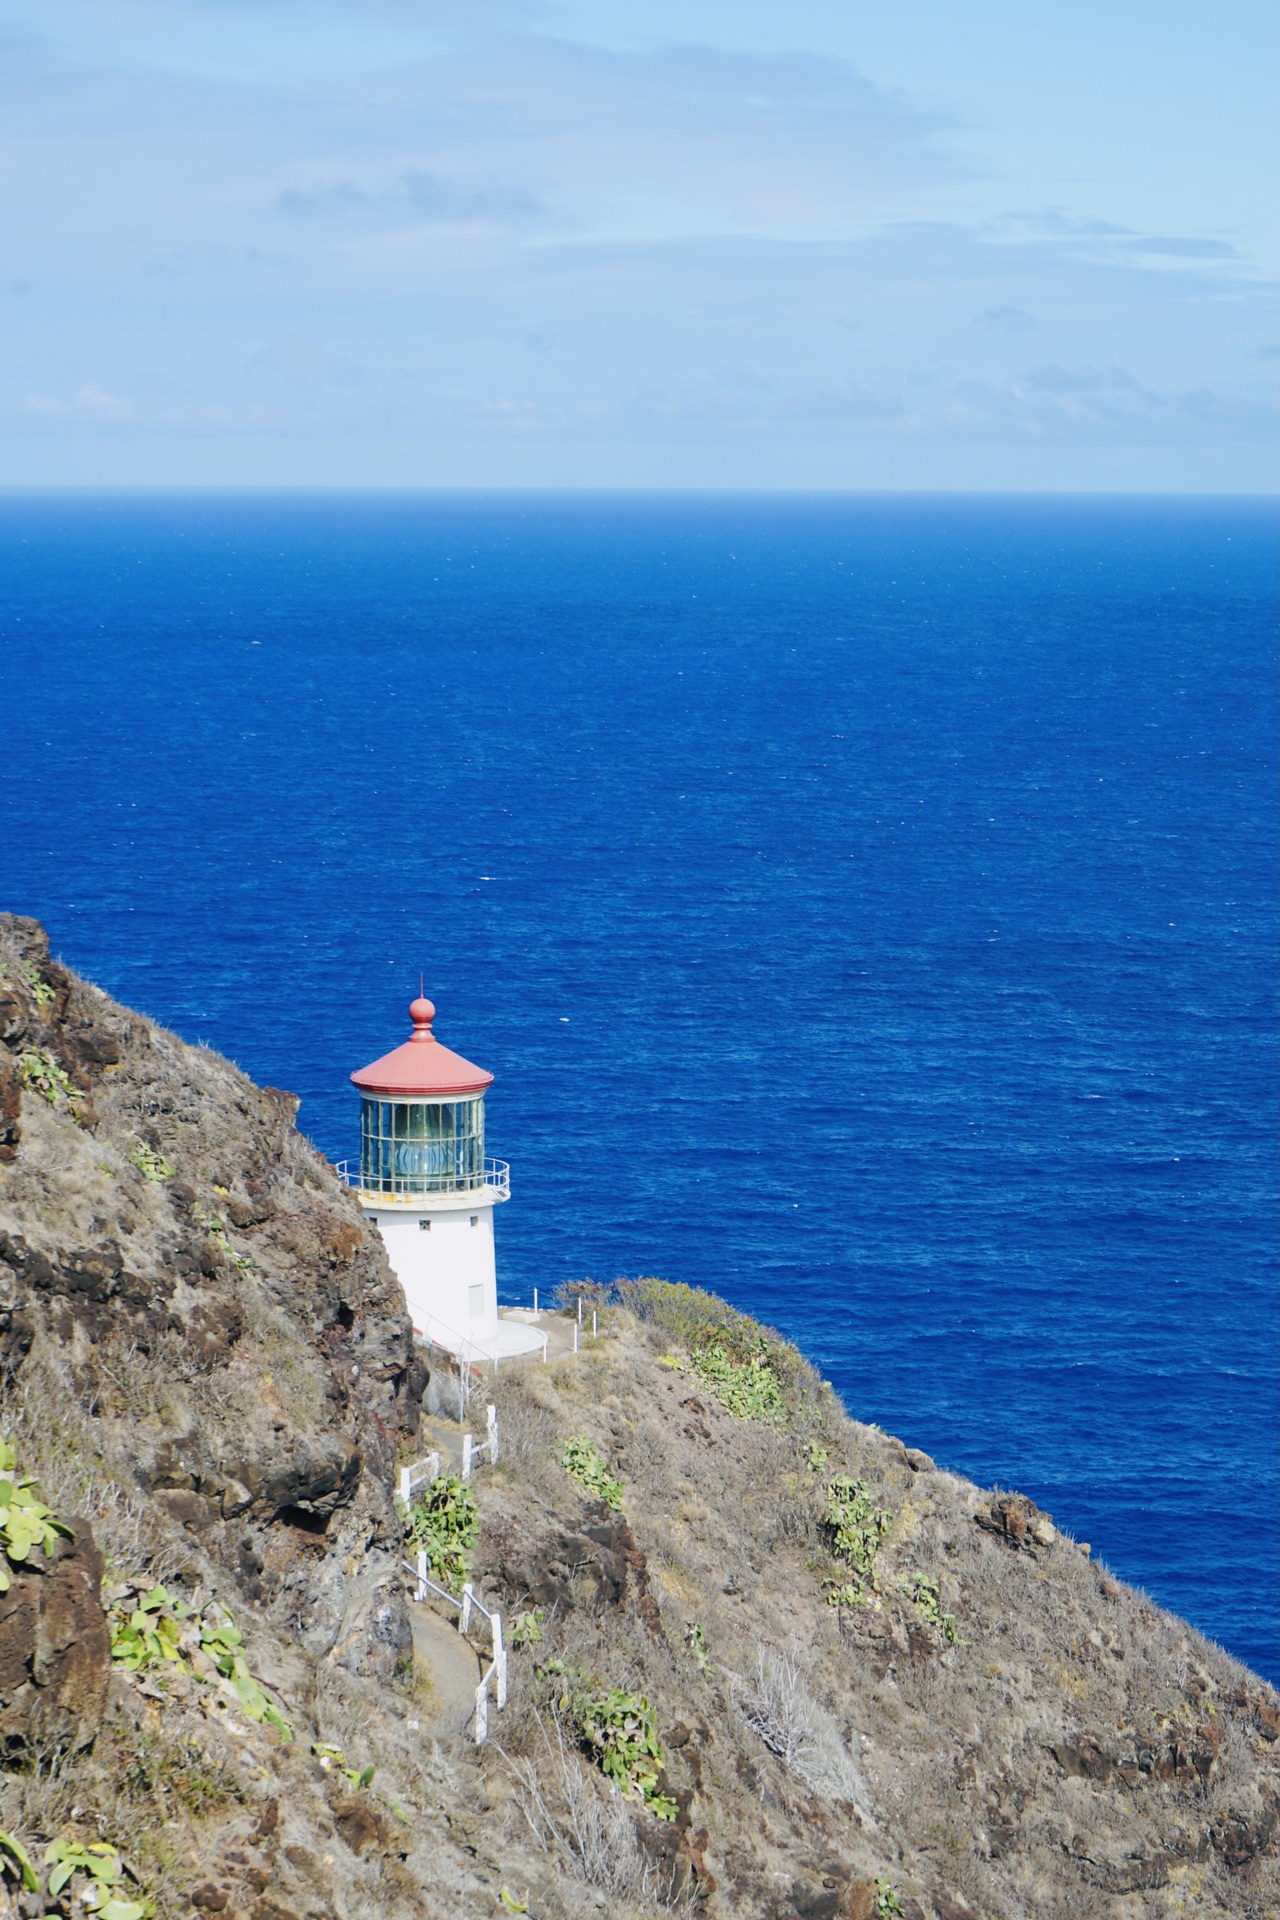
[467,1605]
[460,1345]
[471,1449]
[421,1471]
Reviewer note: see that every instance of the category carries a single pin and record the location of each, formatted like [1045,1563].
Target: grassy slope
[1074,1750]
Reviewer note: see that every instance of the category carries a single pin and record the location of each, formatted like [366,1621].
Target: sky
[827,245]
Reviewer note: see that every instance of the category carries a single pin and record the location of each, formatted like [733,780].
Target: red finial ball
[422,1013]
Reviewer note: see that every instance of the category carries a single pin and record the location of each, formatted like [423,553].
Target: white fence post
[594,1326]
[575,1339]
[422,1576]
[433,1466]
[468,1596]
[466,1456]
[482,1713]
[406,1482]
[491,1416]
[535,1299]
[499,1661]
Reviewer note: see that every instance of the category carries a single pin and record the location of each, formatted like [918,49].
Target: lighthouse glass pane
[421,1146]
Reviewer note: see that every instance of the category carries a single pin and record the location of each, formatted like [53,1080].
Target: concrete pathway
[558,1328]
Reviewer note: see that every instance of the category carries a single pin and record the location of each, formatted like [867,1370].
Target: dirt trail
[454,1666]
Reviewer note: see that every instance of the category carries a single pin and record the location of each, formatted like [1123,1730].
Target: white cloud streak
[664,263]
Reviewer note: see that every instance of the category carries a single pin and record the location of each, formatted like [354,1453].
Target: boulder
[55,1652]
[1017,1522]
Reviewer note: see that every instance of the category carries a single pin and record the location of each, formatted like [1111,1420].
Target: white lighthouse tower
[426,1183]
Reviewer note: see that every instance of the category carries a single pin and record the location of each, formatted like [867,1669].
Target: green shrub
[583,1461]
[152,1632]
[41,990]
[101,1864]
[846,1593]
[748,1388]
[592,1293]
[695,1317]
[526,1629]
[334,1760]
[15,1863]
[25,1521]
[41,1072]
[160,1630]
[217,1230]
[443,1522]
[750,1368]
[923,1594]
[696,1640]
[855,1527]
[150,1163]
[619,1732]
[887,1901]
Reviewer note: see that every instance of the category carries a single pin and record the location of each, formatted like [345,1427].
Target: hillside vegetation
[765,1660]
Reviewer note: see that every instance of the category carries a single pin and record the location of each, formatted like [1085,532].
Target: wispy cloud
[304,365]
[1107,239]
[419,197]
[1006,320]
[89,402]
[384,226]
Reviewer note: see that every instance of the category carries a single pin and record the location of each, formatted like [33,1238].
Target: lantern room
[421,1117]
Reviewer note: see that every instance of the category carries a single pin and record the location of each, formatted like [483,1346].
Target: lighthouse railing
[496,1181]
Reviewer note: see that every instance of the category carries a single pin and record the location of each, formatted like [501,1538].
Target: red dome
[422,1069]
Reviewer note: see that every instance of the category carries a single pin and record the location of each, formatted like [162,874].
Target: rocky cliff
[766,1660]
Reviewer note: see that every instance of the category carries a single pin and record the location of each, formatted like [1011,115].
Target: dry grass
[775,1702]
[574,1816]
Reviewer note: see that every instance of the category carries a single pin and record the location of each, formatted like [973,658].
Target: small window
[424,1226]
[475,1297]
[475,1219]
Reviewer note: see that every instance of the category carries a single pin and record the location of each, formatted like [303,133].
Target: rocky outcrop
[1017,1522]
[599,1565]
[197,1284]
[55,1657]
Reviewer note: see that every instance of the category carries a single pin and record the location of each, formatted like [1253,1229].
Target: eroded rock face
[1018,1522]
[600,1566]
[180,1265]
[55,1655]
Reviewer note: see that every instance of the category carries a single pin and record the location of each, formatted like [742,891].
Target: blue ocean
[866,906]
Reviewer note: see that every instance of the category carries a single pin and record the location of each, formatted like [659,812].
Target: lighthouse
[426,1183]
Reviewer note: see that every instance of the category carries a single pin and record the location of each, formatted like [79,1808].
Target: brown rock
[858,1900]
[10,1106]
[360,1826]
[267,1824]
[1017,1522]
[55,1653]
[1084,1758]
[602,1566]
[949,1906]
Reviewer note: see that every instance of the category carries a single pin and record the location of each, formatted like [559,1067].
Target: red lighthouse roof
[422,1069]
